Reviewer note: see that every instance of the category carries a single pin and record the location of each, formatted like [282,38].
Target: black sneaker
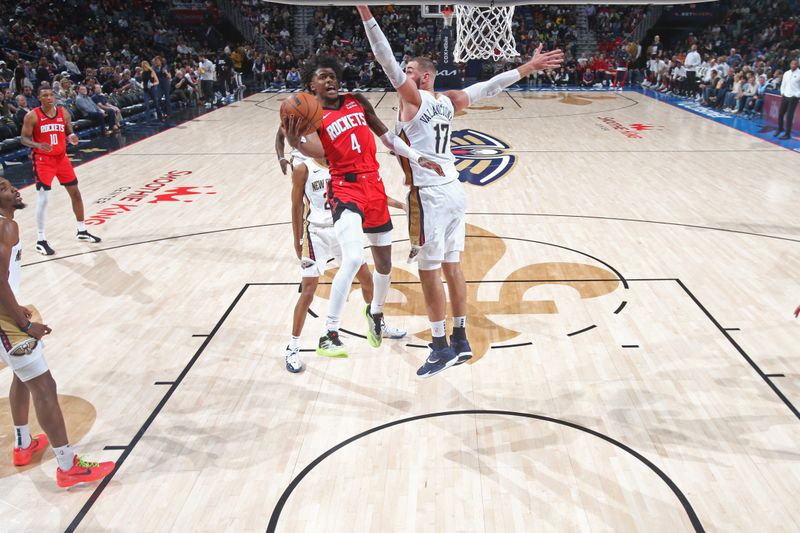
[87,237]
[331,346]
[374,330]
[43,248]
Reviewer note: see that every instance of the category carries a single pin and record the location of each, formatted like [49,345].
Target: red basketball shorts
[46,167]
[364,194]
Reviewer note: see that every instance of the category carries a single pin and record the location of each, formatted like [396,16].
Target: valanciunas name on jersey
[437,110]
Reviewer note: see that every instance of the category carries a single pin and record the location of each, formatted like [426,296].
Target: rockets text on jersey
[51,131]
[348,141]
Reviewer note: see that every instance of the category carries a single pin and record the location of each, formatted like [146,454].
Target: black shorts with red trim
[363,194]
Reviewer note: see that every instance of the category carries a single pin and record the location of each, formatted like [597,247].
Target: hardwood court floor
[631,275]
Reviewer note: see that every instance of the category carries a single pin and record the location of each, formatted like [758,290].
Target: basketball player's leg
[33,381]
[381,279]
[364,277]
[43,175]
[307,288]
[350,236]
[433,217]
[319,246]
[77,207]
[378,227]
[454,237]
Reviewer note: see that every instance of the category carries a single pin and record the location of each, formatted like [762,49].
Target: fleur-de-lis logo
[483,251]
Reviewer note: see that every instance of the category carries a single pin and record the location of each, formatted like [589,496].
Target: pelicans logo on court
[494,315]
[481,159]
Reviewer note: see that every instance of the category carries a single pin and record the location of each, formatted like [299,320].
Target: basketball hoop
[484,32]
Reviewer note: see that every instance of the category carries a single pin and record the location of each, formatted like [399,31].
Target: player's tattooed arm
[279,150]
[26,137]
[397,204]
[299,177]
[309,144]
[71,137]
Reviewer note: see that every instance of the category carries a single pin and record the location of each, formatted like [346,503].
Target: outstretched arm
[392,141]
[406,88]
[540,61]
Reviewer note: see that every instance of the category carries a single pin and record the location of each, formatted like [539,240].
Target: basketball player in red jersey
[21,348]
[46,130]
[355,193]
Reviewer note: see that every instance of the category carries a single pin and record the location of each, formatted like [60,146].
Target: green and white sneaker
[331,346]
[374,327]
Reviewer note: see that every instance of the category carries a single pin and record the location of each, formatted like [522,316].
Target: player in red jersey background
[356,193]
[46,130]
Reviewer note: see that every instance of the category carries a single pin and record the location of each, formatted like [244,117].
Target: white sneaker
[388,332]
[293,363]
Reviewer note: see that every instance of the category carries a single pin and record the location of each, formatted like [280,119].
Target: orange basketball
[304,106]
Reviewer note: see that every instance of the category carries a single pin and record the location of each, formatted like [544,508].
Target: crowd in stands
[103,56]
[106,58]
[733,63]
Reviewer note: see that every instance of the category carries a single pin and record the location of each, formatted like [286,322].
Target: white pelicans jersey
[429,134]
[316,192]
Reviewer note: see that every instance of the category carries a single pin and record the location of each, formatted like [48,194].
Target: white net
[484,33]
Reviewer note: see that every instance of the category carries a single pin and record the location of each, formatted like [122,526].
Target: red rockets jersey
[51,131]
[348,141]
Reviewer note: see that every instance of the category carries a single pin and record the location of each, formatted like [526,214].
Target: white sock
[41,211]
[350,237]
[65,457]
[23,436]
[459,321]
[437,328]
[81,226]
[294,344]
[380,283]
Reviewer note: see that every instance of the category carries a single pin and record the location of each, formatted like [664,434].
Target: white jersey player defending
[315,244]
[437,204]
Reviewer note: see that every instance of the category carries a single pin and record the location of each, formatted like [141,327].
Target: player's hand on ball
[25,311]
[73,139]
[294,128]
[45,147]
[37,330]
[797,311]
[430,165]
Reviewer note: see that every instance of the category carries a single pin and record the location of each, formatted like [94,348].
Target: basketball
[304,106]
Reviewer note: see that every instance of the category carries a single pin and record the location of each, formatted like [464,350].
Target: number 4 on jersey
[354,143]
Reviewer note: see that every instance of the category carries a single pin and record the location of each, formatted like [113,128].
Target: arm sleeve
[383,53]
[492,87]
[399,147]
